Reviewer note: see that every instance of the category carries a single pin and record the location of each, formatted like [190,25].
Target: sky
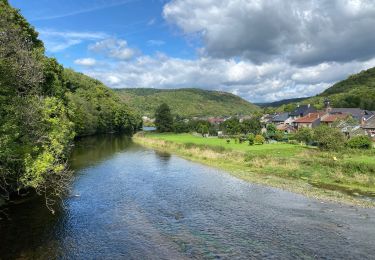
[261,50]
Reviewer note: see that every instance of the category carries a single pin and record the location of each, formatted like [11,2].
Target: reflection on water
[133,203]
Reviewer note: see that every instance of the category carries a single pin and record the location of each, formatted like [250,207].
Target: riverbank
[345,177]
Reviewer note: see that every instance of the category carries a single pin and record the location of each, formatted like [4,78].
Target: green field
[278,149]
[346,176]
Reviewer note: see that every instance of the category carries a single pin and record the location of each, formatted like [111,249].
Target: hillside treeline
[43,107]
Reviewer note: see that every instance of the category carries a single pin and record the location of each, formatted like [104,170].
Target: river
[130,202]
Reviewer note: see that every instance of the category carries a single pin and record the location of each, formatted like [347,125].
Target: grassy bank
[345,177]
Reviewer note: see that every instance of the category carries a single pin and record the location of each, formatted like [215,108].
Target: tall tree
[163,119]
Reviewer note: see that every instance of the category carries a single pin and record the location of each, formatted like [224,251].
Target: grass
[348,176]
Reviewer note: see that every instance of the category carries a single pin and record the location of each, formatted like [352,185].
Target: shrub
[304,135]
[329,139]
[251,138]
[360,142]
[293,142]
[259,139]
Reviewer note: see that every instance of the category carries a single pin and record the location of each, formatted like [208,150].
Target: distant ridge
[186,102]
[357,91]
[281,102]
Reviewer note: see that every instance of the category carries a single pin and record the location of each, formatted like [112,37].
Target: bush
[251,138]
[293,142]
[360,142]
[259,139]
[304,135]
[329,139]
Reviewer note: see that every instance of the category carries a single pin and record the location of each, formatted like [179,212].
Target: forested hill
[186,102]
[43,107]
[356,91]
[281,102]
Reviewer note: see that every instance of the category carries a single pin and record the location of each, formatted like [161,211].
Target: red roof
[310,118]
[334,117]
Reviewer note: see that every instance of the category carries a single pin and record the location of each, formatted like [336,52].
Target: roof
[310,118]
[284,127]
[370,123]
[332,118]
[304,110]
[213,120]
[355,112]
[280,117]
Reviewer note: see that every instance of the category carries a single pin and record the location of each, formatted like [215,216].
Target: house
[243,118]
[265,119]
[215,120]
[369,126]
[280,118]
[311,120]
[356,113]
[302,111]
[329,119]
[286,128]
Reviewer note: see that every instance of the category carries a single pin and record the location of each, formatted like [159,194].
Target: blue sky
[140,22]
[260,50]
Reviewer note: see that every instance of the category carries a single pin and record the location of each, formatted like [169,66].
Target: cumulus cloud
[261,50]
[269,81]
[302,32]
[114,48]
[86,62]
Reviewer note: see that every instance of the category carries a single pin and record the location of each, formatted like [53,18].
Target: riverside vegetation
[43,107]
[299,168]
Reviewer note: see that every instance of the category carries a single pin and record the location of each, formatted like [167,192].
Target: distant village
[351,121]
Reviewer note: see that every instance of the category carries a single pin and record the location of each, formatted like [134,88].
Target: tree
[259,139]
[251,126]
[304,135]
[163,119]
[329,139]
[251,138]
[360,142]
[231,126]
[271,130]
[41,110]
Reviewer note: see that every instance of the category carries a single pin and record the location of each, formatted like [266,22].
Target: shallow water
[130,202]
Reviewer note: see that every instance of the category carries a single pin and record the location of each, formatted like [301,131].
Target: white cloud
[268,81]
[114,48]
[56,41]
[302,32]
[86,62]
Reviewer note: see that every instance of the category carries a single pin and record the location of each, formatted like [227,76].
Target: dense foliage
[360,142]
[163,119]
[305,135]
[42,107]
[94,108]
[187,102]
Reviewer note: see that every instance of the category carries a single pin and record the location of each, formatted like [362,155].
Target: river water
[129,202]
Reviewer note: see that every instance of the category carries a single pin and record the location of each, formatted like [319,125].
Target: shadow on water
[163,156]
[29,230]
[91,150]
